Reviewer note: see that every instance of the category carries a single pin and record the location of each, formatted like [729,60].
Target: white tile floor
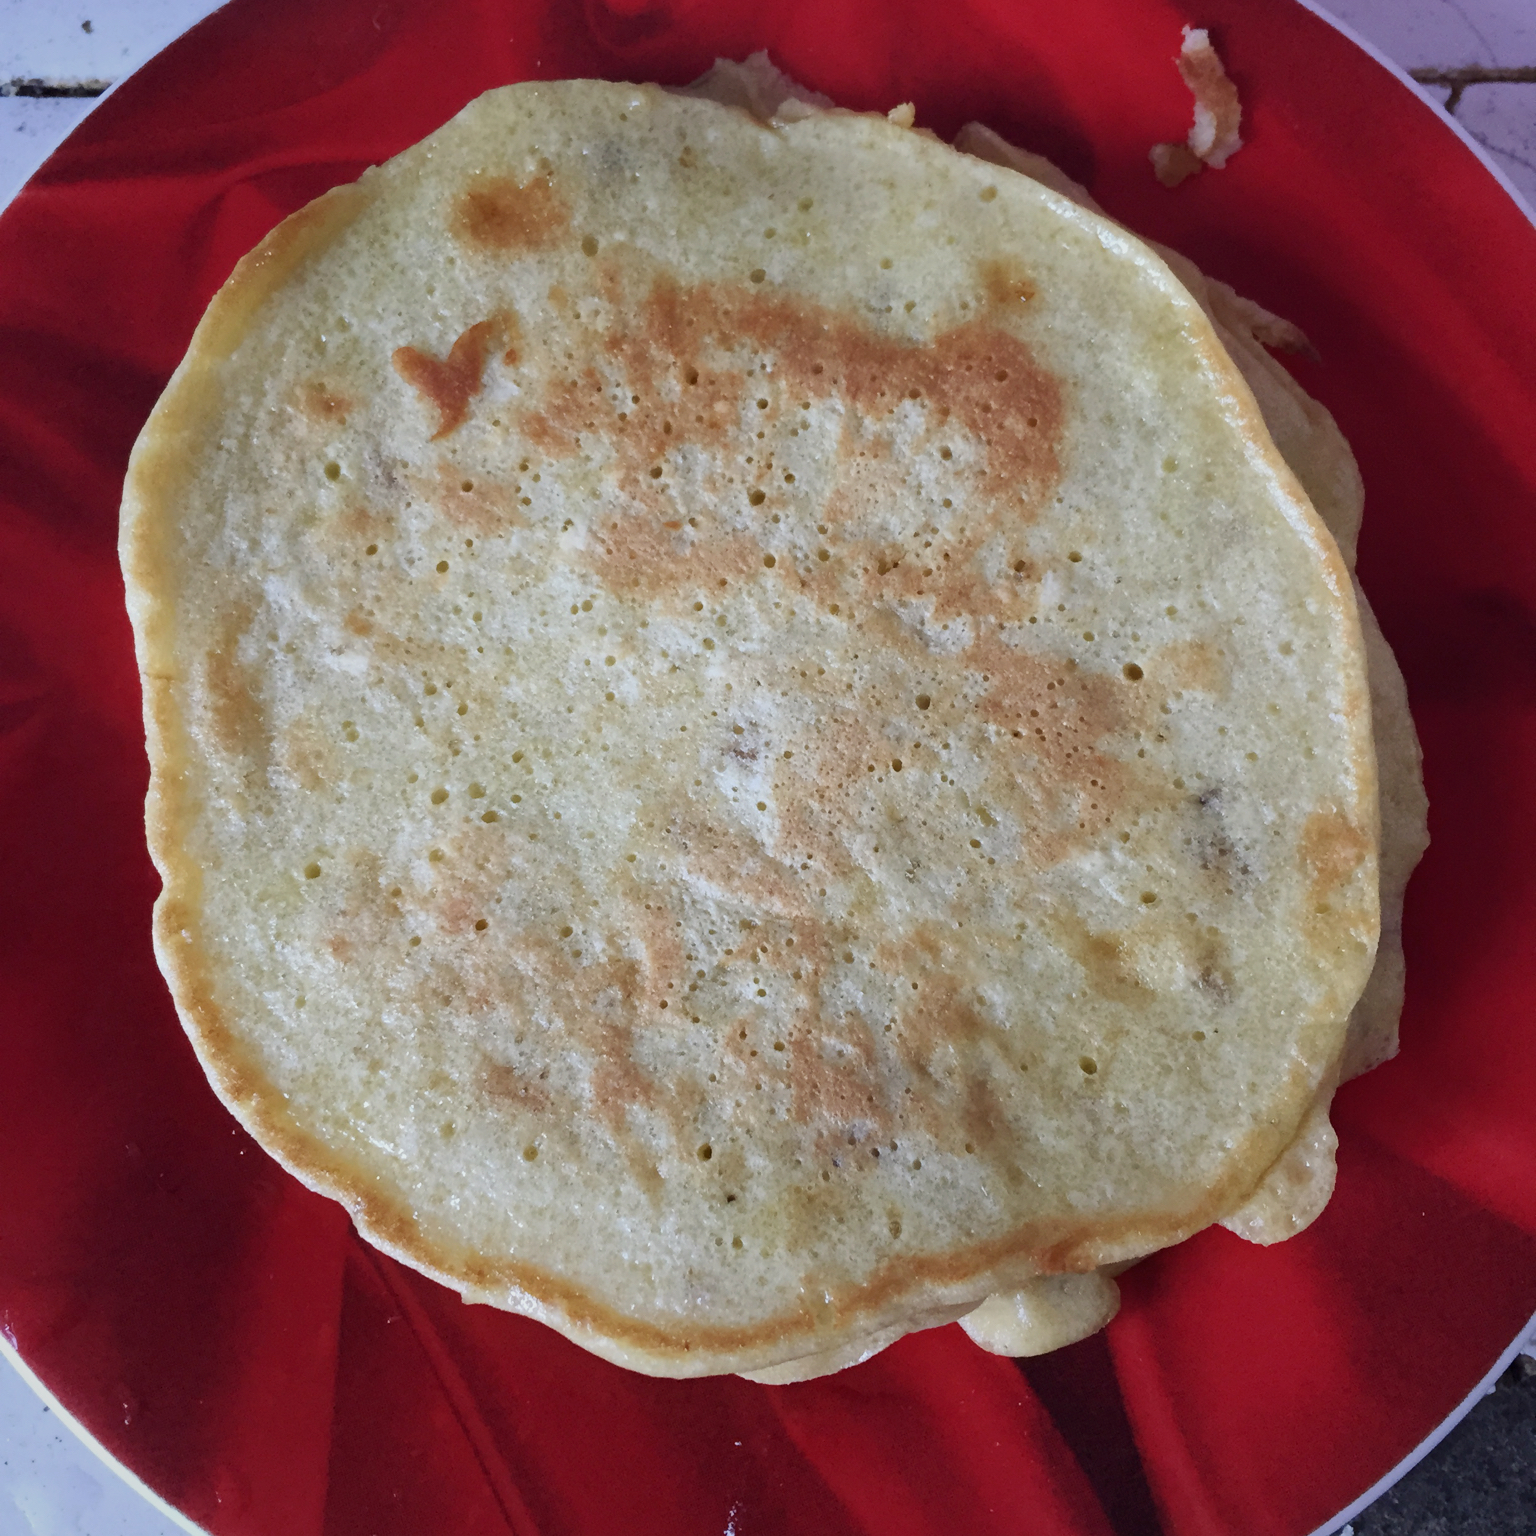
[62,41]
[50,1484]
[1445,33]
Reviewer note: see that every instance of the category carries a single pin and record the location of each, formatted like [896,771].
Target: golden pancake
[752,741]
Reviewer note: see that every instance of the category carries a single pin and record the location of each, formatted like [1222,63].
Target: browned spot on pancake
[953,577]
[949,1045]
[238,714]
[511,338]
[324,402]
[654,930]
[938,1033]
[673,379]
[306,750]
[812,952]
[820,352]
[1332,849]
[1107,959]
[433,658]
[572,404]
[882,561]
[619,1083]
[1119,962]
[819,792]
[988,1132]
[471,501]
[360,920]
[548,432]
[492,985]
[358,523]
[450,383]
[835,1080]
[599,1007]
[467,878]
[494,213]
[358,623]
[835,759]
[1021,686]
[642,552]
[463,904]
[1193,665]
[1067,789]
[347,533]
[506,1087]
[739,867]
[616,1085]
[1217,983]
[948,579]
[1005,283]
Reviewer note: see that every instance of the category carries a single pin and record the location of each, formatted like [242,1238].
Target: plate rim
[10,1353]
[1448,119]
[1524,1342]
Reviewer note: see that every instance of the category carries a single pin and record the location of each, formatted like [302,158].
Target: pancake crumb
[1214,138]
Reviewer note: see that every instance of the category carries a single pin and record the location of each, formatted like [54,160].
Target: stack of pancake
[761,732]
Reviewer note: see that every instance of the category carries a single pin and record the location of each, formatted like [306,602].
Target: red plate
[224,1333]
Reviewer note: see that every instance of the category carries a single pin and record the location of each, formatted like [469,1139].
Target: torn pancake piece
[1214,137]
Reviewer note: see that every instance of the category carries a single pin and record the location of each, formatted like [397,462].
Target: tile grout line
[1472,74]
[1457,80]
[53,88]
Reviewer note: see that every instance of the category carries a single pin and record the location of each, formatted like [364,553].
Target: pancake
[752,743]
